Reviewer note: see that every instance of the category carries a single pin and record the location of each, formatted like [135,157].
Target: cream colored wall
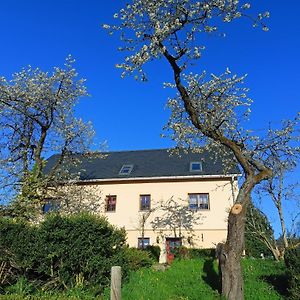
[209,226]
[200,238]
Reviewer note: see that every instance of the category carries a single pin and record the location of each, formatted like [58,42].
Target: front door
[171,245]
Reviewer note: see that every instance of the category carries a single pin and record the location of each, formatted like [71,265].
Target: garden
[70,257]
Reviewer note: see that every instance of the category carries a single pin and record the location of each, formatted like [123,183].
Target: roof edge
[155,178]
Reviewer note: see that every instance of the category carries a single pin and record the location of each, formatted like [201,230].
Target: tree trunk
[230,255]
[283,228]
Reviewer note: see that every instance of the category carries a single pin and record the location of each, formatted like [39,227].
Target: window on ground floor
[143,243]
[111,202]
[199,201]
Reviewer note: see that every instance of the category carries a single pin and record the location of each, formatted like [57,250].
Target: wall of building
[198,228]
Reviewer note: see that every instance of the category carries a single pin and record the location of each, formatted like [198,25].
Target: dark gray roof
[146,163]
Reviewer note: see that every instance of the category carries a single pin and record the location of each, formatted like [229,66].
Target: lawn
[186,280]
[198,279]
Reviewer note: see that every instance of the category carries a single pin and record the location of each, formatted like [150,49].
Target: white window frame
[200,204]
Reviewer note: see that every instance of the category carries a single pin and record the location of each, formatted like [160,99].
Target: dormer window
[126,170]
[195,166]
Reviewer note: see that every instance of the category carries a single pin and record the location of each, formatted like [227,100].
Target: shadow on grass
[211,277]
[278,282]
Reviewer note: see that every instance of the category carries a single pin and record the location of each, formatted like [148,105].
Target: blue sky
[129,114]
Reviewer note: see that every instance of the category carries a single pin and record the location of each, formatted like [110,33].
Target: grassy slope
[195,279]
[188,280]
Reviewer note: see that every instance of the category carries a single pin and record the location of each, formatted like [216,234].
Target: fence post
[115,284]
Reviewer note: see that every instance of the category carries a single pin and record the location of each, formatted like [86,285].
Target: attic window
[126,170]
[195,166]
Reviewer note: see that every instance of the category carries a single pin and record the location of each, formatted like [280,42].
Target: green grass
[186,280]
[71,295]
[198,279]
[181,281]
[264,279]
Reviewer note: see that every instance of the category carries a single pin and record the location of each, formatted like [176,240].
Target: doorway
[171,245]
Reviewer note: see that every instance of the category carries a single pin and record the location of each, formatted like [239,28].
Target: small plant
[79,280]
[136,259]
[22,287]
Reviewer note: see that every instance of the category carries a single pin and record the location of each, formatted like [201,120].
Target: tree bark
[255,172]
[230,255]
[282,223]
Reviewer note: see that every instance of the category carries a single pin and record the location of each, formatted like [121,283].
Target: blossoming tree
[36,119]
[206,111]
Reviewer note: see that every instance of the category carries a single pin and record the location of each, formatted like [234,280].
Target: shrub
[136,259]
[292,261]
[63,251]
[80,249]
[17,250]
[202,253]
[154,252]
[181,252]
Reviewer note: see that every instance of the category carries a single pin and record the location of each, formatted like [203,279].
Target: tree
[259,234]
[279,191]
[37,118]
[204,111]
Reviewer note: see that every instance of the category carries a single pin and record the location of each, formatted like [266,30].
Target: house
[159,198]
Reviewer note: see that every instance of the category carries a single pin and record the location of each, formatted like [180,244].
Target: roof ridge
[136,150]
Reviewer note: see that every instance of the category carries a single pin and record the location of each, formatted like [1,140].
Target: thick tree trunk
[230,255]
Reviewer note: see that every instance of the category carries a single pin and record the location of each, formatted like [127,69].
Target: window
[145,202]
[50,205]
[198,201]
[126,170]
[195,166]
[111,202]
[143,243]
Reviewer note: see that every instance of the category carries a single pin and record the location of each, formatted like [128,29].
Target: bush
[202,253]
[63,251]
[17,250]
[181,253]
[154,252]
[193,253]
[292,261]
[136,259]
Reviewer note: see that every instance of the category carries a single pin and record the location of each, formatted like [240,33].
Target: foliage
[185,279]
[63,252]
[279,191]
[18,250]
[292,261]
[210,111]
[202,253]
[22,287]
[37,113]
[154,252]
[194,253]
[181,252]
[259,235]
[136,259]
